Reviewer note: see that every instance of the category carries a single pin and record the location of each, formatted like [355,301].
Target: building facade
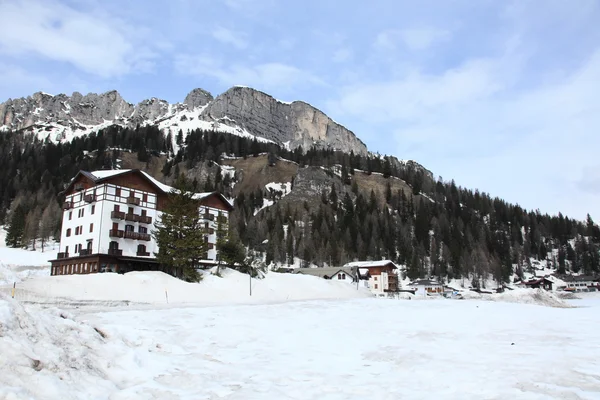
[381,276]
[109,217]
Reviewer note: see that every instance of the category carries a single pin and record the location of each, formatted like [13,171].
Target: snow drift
[159,288]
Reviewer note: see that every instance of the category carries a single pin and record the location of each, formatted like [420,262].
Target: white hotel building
[108,218]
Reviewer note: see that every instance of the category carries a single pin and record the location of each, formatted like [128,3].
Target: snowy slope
[357,349]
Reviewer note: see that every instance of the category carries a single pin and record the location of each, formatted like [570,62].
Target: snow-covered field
[327,349]
[110,336]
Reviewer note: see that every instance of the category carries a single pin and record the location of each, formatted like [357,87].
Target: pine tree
[180,234]
[16,228]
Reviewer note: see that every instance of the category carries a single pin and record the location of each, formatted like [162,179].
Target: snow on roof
[165,188]
[367,264]
[101,174]
[424,282]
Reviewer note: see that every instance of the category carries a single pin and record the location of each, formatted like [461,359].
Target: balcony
[62,255]
[133,200]
[131,235]
[115,252]
[144,219]
[67,205]
[114,233]
[144,236]
[131,217]
[79,186]
[89,198]
[143,254]
[208,216]
[85,252]
[137,235]
[117,215]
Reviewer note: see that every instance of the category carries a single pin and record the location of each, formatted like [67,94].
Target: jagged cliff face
[294,124]
[239,110]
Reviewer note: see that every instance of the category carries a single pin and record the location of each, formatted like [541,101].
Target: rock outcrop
[295,124]
[289,124]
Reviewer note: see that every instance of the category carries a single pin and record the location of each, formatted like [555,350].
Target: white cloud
[228,36]
[474,123]
[95,43]
[264,76]
[412,38]
[342,55]
[423,38]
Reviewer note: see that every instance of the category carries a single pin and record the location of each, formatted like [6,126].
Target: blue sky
[503,96]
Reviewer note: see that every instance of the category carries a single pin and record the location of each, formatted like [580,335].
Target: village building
[579,283]
[109,217]
[381,276]
[537,283]
[424,287]
[335,273]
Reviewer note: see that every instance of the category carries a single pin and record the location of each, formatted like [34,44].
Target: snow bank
[159,288]
[524,296]
[48,355]
[17,265]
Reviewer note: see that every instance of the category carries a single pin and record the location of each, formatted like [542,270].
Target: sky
[501,96]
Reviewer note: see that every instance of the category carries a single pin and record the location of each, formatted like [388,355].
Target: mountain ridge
[239,110]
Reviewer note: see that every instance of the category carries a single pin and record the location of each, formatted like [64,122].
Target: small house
[381,276]
[336,273]
[537,283]
[424,287]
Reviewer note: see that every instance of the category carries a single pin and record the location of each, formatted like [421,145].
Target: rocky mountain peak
[197,98]
[240,110]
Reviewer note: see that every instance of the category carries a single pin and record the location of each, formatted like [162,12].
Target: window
[81,212]
[340,276]
[68,232]
[113,245]
[129,228]
[343,276]
[118,192]
[374,278]
[145,197]
[93,209]
[116,208]
[89,245]
[130,210]
[143,213]
[91,227]
[67,249]
[80,196]
[143,229]
[141,248]
[76,230]
[375,286]
[70,215]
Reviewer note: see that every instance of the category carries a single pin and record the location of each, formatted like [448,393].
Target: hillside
[313,206]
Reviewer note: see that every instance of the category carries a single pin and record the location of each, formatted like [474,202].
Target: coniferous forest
[433,227]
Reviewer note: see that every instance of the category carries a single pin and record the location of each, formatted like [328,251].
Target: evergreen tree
[16,228]
[180,234]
